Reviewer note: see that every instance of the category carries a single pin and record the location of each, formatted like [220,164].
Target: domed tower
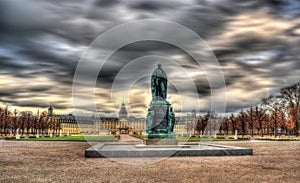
[123,111]
[193,113]
[50,110]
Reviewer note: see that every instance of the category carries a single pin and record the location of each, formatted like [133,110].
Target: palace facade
[70,124]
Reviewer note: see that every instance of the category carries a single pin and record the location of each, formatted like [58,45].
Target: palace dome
[123,112]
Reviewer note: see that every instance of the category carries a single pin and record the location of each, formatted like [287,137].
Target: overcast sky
[257,44]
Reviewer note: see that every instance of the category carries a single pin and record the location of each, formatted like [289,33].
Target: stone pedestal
[160,124]
[161,136]
[156,141]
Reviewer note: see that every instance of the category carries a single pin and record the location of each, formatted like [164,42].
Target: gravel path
[130,140]
[64,162]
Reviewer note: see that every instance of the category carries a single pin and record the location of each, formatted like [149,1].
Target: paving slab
[122,150]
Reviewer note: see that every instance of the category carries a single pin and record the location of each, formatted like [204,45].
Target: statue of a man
[171,120]
[159,83]
[150,118]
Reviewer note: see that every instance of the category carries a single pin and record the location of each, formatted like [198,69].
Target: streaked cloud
[256,43]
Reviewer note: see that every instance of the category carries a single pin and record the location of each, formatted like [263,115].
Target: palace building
[71,124]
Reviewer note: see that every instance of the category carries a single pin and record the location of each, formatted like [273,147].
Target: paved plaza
[65,162]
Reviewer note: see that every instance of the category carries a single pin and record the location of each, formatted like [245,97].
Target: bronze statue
[161,118]
[159,83]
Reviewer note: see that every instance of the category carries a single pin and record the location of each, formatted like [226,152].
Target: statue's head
[159,72]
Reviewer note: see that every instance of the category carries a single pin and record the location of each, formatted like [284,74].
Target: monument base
[155,141]
[160,136]
[121,150]
[160,139]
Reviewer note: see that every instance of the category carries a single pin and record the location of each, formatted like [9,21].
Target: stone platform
[121,150]
[166,141]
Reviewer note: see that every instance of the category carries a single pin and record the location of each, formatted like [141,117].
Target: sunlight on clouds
[263,82]
[240,94]
[189,74]
[252,24]
[259,58]
[139,101]
[10,81]
[297,31]
[178,57]
[264,26]
[20,93]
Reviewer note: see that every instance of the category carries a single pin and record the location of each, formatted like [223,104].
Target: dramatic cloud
[256,42]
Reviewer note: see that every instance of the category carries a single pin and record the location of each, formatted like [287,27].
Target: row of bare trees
[26,123]
[273,116]
[256,121]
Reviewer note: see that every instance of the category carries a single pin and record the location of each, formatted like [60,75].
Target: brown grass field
[33,161]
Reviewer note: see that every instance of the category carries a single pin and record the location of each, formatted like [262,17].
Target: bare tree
[250,120]
[2,121]
[260,118]
[276,106]
[242,122]
[225,125]
[26,121]
[6,121]
[202,123]
[43,123]
[233,123]
[292,94]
